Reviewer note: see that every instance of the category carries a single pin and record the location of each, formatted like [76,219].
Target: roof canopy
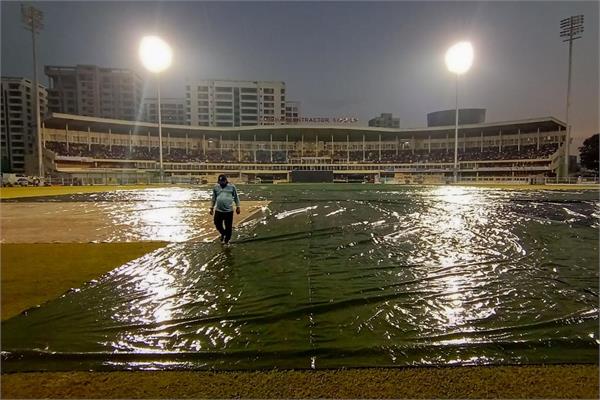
[295,132]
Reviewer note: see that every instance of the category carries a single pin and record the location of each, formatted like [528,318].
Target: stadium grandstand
[95,150]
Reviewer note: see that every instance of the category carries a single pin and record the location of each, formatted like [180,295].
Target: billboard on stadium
[311,176]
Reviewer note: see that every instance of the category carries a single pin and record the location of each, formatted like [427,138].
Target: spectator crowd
[116,152]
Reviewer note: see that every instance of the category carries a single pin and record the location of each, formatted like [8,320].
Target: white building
[235,103]
[18,140]
[172,110]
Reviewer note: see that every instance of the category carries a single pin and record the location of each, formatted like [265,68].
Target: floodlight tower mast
[33,20]
[570,29]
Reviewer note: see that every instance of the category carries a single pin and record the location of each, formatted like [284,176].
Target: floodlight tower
[570,29]
[156,55]
[33,20]
[459,59]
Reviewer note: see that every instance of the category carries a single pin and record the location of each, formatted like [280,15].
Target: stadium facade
[96,149]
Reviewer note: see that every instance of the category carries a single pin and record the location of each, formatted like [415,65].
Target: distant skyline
[337,59]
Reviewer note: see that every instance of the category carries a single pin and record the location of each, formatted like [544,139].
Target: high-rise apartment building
[235,103]
[385,121]
[94,91]
[18,142]
[172,111]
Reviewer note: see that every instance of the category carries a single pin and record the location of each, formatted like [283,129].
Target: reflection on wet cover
[344,276]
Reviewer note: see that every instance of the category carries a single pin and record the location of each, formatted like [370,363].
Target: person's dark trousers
[227,218]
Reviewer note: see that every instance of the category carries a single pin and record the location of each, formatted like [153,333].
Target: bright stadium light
[459,59]
[156,55]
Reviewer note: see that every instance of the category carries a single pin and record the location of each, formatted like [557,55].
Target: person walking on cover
[223,196]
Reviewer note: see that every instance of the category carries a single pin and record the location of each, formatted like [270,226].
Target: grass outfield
[35,273]
[14,192]
[509,382]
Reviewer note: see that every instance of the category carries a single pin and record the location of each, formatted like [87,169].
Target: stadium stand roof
[82,123]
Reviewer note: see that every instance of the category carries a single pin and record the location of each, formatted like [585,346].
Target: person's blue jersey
[224,197]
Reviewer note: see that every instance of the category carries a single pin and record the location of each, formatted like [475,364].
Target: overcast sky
[338,59]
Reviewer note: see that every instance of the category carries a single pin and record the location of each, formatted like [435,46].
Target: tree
[589,152]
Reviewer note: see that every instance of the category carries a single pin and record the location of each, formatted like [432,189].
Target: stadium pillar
[317,146]
[254,148]
[169,143]
[89,139]
[481,143]
[186,144]
[363,147]
[239,149]
[43,135]
[456,135]
[500,141]
[380,147]
[332,155]
[302,146]
[538,138]
[518,139]
[347,148]
[221,144]
[149,140]
[429,144]
[109,140]
[271,146]
[286,148]
[397,145]
[130,141]
[67,135]
[203,144]
[412,144]
[464,142]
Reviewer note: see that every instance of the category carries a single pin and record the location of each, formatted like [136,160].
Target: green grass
[35,273]
[15,192]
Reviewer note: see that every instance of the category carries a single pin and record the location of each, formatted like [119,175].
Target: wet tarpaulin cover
[333,276]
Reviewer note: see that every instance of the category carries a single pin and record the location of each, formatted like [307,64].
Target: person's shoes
[222,239]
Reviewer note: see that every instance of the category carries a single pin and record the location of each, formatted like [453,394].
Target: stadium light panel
[155,54]
[459,57]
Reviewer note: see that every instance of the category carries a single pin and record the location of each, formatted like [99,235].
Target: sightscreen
[312,176]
